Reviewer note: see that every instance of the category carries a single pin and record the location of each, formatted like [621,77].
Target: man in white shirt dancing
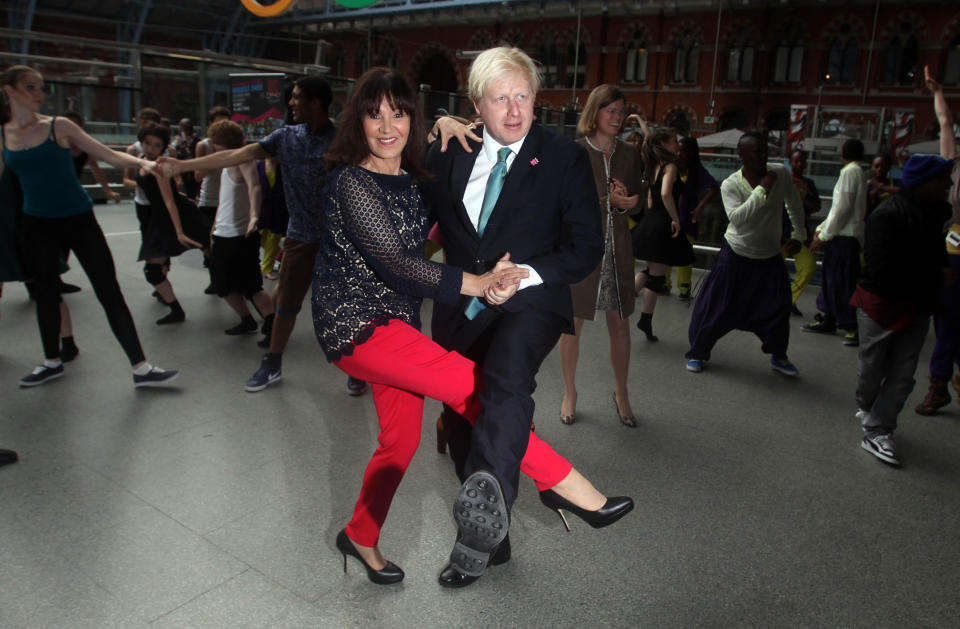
[748,288]
[841,235]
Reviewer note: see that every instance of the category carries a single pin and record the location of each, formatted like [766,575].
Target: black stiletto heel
[611,511]
[391,573]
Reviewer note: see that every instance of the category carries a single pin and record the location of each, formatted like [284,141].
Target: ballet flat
[611,511]
[391,573]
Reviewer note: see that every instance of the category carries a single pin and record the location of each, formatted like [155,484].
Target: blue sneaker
[694,365]
[40,375]
[267,374]
[785,367]
[156,377]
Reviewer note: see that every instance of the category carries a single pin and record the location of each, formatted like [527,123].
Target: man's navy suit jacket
[547,216]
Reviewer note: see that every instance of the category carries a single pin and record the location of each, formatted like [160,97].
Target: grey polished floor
[205,506]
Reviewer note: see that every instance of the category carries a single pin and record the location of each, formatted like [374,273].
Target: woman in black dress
[173,224]
[658,238]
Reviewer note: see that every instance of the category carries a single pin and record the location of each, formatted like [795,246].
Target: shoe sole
[694,369]
[261,387]
[357,392]
[482,523]
[156,383]
[27,385]
[880,455]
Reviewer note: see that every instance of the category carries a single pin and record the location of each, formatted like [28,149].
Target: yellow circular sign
[268,10]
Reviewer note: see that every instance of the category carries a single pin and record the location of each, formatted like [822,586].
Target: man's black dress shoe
[482,524]
[450,577]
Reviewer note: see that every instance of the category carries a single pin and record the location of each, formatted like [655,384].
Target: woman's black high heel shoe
[391,573]
[611,511]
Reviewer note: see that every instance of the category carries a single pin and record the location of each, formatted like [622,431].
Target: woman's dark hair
[690,149]
[350,144]
[160,132]
[11,76]
[654,154]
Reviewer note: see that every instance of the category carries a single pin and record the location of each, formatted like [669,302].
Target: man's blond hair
[494,62]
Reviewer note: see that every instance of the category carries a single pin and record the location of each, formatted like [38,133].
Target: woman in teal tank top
[58,212]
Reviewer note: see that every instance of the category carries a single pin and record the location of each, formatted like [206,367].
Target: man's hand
[792,246]
[447,127]
[507,283]
[768,180]
[816,243]
[113,196]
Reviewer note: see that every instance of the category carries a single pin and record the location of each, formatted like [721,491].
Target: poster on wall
[257,103]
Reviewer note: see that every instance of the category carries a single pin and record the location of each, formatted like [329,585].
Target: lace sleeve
[367,223]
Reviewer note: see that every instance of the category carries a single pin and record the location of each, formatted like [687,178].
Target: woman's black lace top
[371,267]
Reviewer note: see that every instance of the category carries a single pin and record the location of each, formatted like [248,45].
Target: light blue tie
[490,195]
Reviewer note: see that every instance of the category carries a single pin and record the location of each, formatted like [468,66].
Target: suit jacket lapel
[518,174]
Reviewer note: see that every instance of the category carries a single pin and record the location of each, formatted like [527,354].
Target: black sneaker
[156,377]
[40,375]
[268,373]
[822,325]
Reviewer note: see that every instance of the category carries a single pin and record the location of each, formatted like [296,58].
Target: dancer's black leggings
[43,240]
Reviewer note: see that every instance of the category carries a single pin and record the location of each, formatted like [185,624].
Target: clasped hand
[503,281]
[167,166]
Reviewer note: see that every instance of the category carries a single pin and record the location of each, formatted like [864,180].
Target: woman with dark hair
[173,225]
[370,278]
[698,189]
[658,238]
[58,212]
[616,171]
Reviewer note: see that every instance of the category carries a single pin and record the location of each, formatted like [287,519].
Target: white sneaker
[882,447]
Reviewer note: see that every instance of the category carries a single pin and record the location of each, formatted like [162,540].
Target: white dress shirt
[849,207]
[756,215]
[477,186]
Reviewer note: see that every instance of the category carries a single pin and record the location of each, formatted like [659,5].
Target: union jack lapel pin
[534,161]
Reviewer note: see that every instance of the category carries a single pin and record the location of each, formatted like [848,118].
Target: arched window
[635,62]
[687,57]
[551,59]
[576,65]
[740,61]
[951,65]
[902,52]
[788,59]
[842,58]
